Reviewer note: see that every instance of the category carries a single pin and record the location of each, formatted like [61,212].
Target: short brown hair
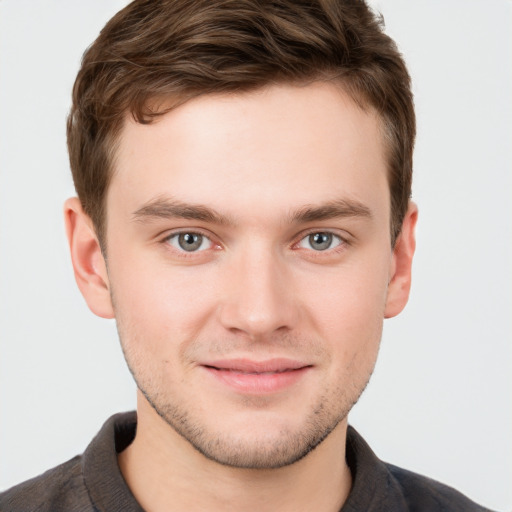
[155,50]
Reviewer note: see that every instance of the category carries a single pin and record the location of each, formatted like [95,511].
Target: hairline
[171,102]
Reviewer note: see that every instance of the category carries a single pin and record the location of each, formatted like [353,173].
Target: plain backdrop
[440,402]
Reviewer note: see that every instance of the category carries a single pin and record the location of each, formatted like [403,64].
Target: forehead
[278,147]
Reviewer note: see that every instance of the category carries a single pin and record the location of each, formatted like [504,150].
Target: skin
[256,175]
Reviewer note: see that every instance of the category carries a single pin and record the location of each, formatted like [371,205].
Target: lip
[257,377]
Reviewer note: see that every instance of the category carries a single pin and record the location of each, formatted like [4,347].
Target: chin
[259,452]
[258,440]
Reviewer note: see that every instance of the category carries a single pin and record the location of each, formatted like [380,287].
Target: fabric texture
[92,482]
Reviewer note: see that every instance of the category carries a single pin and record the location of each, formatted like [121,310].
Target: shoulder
[379,487]
[57,490]
[86,483]
[424,494]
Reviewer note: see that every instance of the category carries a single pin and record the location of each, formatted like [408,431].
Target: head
[155,55]
[243,172]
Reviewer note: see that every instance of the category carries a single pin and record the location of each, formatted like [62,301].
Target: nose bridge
[259,298]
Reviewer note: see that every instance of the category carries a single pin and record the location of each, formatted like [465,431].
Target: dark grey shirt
[92,482]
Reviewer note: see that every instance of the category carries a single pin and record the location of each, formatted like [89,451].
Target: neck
[165,473]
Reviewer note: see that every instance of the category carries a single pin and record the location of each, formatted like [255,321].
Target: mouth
[257,377]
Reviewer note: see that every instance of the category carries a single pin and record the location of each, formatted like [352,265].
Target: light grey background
[440,402]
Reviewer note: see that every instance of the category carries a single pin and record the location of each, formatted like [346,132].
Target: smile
[253,373]
[257,377]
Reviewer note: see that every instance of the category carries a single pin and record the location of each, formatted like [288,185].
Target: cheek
[348,313]
[157,305]
[353,331]
[349,301]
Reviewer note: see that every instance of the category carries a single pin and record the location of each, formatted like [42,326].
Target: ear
[88,261]
[401,265]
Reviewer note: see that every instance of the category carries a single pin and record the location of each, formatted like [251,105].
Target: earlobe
[401,265]
[88,262]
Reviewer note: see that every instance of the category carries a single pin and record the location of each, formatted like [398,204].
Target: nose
[258,296]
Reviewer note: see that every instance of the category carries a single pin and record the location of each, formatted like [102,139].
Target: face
[250,267]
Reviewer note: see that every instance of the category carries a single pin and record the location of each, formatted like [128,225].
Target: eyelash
[342,242]
[182,252]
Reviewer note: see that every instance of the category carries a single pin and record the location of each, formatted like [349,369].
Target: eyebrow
[166,208]
[333,209]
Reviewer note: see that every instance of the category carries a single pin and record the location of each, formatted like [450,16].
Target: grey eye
[189,242]
[320,241]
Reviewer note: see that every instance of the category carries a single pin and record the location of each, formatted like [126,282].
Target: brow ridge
[165,208]
[333,209]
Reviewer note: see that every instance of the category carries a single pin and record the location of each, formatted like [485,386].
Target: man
[243,172]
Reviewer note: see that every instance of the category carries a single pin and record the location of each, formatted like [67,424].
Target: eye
[189,242]
[320,241]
